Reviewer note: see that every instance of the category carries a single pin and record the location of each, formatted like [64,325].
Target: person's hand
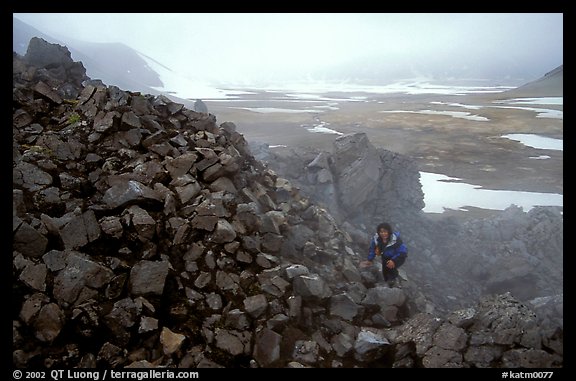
[365,264]
[390,264]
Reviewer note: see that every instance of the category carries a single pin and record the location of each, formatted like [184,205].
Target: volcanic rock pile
[147,235]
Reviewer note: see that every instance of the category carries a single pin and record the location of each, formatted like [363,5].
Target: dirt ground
[471,150]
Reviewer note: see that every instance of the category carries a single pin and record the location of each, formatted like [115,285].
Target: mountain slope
[550,85]
[113,63]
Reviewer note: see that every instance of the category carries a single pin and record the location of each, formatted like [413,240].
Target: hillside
[147,235]
[112,63]
[550,85]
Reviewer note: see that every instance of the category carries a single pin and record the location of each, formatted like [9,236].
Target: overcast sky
[242,45]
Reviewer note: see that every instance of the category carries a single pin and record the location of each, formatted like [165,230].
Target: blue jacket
[394,250]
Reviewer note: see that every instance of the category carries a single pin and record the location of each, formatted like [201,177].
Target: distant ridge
[550,85]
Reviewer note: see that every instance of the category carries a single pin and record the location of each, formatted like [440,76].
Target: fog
[353,47]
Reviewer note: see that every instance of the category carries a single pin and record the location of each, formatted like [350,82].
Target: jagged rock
[369,346]
[80,277]
[255,305]
[28,240]
[148,277]
[342,305]
[200,106]
[34,275]
[57,61]
[49,322]
[30,176]
[500,329]
[80,230]
[127,192]
[233,342]
[311,287]
[31,306]
[171,341]
[267,347]
[224,232]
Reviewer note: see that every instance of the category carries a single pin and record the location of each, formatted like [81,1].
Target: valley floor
[459,136]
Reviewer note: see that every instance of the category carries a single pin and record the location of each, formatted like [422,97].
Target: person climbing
[387,244]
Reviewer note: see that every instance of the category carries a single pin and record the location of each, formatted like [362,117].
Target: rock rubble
[147,235]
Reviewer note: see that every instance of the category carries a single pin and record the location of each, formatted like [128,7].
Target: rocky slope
[112,63]
[451,262]
[147,235]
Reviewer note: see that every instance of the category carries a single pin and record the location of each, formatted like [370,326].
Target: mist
[237,225]
[229,48]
